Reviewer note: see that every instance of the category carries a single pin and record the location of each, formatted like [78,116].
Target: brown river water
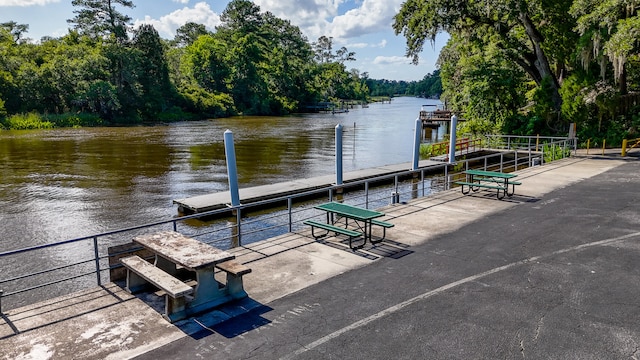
[67,183]
[63,184]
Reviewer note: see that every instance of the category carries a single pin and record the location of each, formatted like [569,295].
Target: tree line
[105,72]
[533,66]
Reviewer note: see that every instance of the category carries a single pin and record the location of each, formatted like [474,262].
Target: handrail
[365,198]
[625,145]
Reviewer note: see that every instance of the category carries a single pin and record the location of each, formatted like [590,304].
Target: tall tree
[241,30]
[153,74]
[611,28]
[99,18]
[15,29]
[188,33]
[205,63]
[522,29]
[324,51]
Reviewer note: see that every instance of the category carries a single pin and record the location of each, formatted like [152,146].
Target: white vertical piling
[339,154]
[452,140]
[416,143]
[232,171]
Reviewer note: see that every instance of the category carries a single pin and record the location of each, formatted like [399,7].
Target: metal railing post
[290,209]
[395,197]
[175,226]
[446,178]
[238,225]
[366,195]
[501,161]
[516,164]
[97,258]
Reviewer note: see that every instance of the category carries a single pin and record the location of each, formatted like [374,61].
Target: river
[67,183]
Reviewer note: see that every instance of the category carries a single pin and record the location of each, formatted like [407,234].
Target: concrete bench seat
[140,273]
[235,271]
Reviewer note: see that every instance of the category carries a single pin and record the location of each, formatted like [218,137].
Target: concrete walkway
[459,277]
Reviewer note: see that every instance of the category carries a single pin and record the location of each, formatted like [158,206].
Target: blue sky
[363,26]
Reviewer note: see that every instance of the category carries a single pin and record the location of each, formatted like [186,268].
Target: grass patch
[34,121]
[28,121]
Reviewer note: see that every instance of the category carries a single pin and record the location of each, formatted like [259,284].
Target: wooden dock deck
[220,200]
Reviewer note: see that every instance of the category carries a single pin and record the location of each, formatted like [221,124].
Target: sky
[362,26]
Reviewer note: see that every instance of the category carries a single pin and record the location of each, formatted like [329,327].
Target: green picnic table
[363,218]
[476,179]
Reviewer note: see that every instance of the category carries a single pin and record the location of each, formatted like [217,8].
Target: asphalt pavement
[555,276]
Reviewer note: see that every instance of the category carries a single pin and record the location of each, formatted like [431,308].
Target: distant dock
[221,200]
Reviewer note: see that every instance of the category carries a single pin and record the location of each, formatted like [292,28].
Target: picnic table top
[350,211]
[491,174]
[182,250]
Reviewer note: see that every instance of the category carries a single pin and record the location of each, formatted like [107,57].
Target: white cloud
[391,60]
[381,44]
[181,1]
[359,45]
[371,17]
[313,17]
[321,17]
[26,2]
[201,13]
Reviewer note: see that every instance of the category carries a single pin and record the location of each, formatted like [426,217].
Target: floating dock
[221,200]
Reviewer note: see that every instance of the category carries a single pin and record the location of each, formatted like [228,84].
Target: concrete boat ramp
[221,200]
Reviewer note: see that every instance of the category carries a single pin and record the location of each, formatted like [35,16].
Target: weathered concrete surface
[109,323]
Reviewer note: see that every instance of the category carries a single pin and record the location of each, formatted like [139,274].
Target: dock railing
[45,271]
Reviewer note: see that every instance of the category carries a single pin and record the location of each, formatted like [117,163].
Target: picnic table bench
[364,219]
[173,250]
[476,179]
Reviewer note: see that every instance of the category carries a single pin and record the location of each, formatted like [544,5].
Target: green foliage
[429,87]
[514,32]
[426,151]
[74,120]
[3,111]
[174,114]
[188,33]
[573,94]
[555,152]
[543,106]
[100,19]
[199,100]
[111,74]
[28,121]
